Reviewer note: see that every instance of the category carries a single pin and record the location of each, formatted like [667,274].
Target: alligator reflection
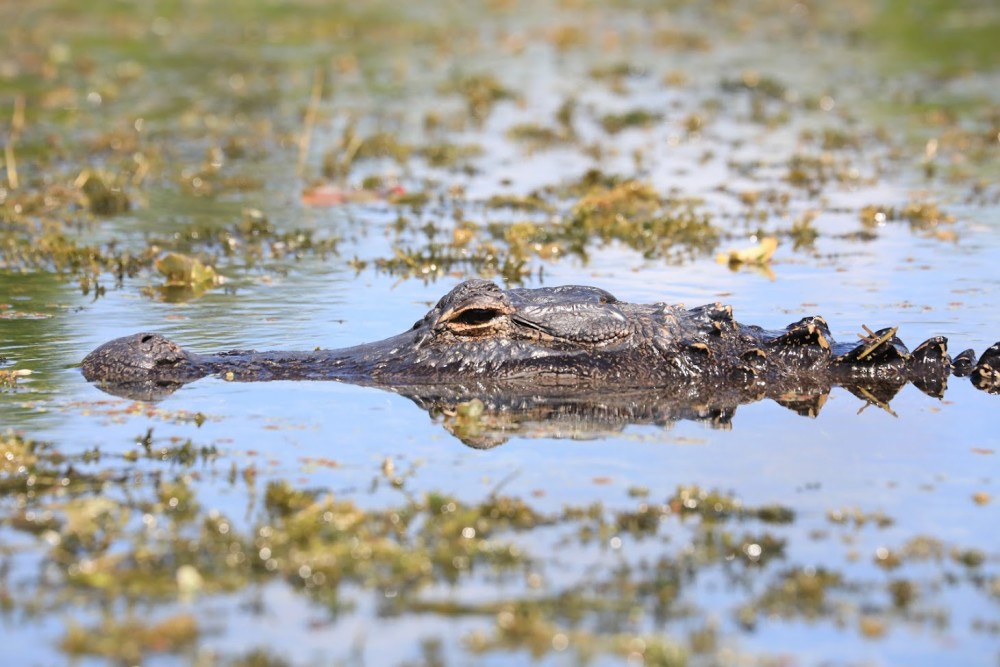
[487,415]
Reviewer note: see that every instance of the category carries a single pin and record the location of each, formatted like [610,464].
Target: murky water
[885,549]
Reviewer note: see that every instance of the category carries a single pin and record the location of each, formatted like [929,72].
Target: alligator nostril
[146,338]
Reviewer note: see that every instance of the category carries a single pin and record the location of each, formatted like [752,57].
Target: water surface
[306,523]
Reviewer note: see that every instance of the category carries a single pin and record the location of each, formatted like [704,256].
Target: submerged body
[566,340]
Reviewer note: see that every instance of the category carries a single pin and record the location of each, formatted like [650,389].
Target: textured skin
[568,341]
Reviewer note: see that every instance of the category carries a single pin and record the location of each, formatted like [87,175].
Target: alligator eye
[474,321]
[475,317]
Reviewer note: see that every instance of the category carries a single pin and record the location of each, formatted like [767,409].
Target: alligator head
[475,331]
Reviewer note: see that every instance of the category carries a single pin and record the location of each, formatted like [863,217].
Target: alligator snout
[140,356]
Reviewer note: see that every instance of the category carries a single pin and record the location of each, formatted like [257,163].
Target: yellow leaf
[759,254]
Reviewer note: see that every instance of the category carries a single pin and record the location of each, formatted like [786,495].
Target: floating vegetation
[681,40]
[618,70]
[633,213]
[382,145]
[327,549]
[923,216]
[104,196]
[353,148]
[272,141]
[803,232]
[132,640]
[811,173]
[434,261]
[115,169]
[836,139]
[481,92]
[449,155]
[798,593]
[754,81]
[636,118]
[537,137]
[626,198]
[188,272]
[520,203]
[412,199]
[9,377]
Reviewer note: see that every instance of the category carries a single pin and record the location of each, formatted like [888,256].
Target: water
[887,554]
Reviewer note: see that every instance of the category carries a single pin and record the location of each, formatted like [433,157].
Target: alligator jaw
[149,366]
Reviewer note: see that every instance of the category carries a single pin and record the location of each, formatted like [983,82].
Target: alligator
[572,343]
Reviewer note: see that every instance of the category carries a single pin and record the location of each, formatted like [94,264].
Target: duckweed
[536,137]
[450,155]
[481,93]
[525,203]
[636,118]
[131,640]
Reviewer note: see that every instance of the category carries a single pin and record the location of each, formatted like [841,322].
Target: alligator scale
[570,341]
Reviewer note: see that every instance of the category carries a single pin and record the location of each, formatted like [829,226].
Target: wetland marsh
[300,175]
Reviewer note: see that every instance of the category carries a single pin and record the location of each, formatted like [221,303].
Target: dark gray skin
[569,342]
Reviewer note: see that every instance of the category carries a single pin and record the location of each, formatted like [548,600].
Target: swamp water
[341,169]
